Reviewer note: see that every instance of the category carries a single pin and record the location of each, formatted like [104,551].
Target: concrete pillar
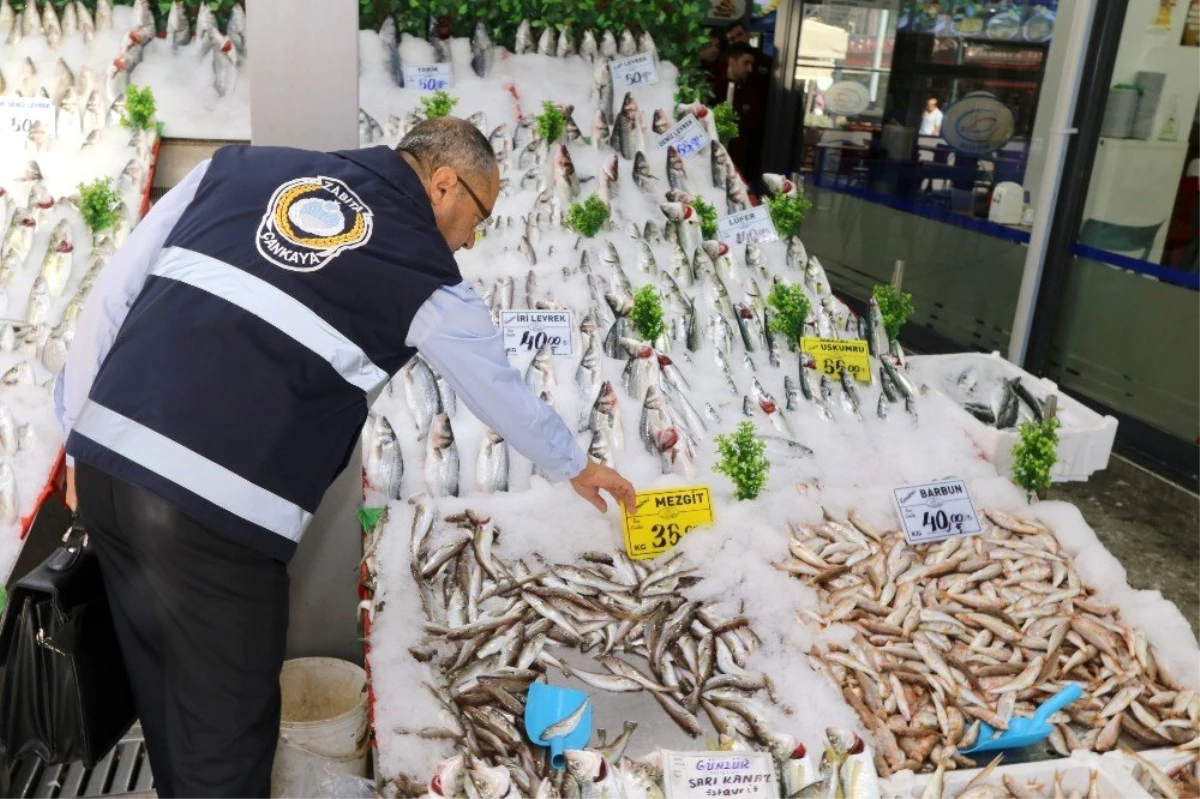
[303,59]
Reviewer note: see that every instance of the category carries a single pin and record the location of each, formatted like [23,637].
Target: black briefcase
[65,695]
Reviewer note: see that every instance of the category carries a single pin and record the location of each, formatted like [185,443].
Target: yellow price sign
[833,354]
[663,518]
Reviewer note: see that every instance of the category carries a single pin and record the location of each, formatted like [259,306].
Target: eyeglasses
[484,213]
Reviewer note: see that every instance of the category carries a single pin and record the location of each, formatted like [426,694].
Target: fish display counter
[801,626]
[62,107]
[781,635]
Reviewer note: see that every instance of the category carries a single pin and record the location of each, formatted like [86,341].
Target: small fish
[588,49]
[548,42]
[224,66]
[628,45]
[491,466]
[523,41]
[178,32]
[566,43]
[391,55]
[441,459]
[608,45]
[568,724]
[482,51]
[424,399]
[383,464]
[676,173]
[642,176]
[369,130]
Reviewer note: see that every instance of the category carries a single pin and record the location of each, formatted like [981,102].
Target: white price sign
[747,227]
[428,77]
[936,511]
[529,331]
[637,70]
[703,774]
[687,136]
[18,115]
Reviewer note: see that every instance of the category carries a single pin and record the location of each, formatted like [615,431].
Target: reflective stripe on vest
[275,307]
[192,471]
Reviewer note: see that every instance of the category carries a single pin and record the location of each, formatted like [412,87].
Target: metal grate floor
[124,771]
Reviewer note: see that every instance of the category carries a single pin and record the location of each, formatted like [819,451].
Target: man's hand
[596,476]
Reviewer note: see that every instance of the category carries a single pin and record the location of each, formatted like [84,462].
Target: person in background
[931,119]
[710,55]
[737,34]
[742,83]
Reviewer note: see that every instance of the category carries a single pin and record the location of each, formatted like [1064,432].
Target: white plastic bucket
[323,725]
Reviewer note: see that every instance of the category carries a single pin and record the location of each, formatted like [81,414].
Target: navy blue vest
[236,387]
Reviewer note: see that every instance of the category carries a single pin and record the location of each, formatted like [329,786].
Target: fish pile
[978,630]
[997,401]
[984,785]
[1180,779]
[495,626]
[844,770]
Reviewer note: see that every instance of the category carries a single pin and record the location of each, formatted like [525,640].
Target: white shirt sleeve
[115,289]
[453,330]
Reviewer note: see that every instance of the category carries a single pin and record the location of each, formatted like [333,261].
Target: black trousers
[201,621]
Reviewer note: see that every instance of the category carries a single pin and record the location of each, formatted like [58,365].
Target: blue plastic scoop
[1025,732]
[547,705]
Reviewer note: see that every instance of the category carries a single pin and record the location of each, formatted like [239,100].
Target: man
[745,86]
[221,374]
[931,119]
[737,34]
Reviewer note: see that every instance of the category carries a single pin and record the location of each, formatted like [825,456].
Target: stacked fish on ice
[223,51]
[707,330]
[979,630]
[48,258]
[495,626]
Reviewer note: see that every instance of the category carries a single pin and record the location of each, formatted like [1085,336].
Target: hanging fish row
[553,41]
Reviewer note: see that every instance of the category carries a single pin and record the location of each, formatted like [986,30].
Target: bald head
[451,142]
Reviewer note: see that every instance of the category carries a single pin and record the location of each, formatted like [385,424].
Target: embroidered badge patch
[310,221]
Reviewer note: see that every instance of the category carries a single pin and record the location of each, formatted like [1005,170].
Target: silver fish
[391,56]
[491,467]
[178,32]
[588,49]
[441,459]
[383,464]
[523,41]
[548,41]
[628,45]
[482,52]
[424,399]
[225,66]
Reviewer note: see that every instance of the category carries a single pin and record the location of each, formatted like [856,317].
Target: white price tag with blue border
[428,77]
[936,511]
[687,136]
[18,115]
[747,227]
[530,330]
[634,71]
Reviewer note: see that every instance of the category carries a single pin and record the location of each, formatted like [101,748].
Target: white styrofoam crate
[1112,781]
[1085,438]
[1164,759]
